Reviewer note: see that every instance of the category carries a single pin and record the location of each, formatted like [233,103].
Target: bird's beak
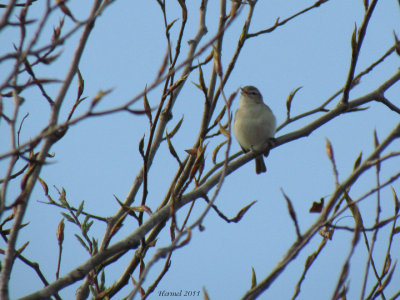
[242,91]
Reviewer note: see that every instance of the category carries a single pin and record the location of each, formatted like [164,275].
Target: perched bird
[254,124]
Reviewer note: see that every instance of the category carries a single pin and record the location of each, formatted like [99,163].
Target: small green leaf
[82,242]
[87,226]
[80,208]
[69,218]
[63,198]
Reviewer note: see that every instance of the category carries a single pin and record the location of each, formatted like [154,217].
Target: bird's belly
[253,134]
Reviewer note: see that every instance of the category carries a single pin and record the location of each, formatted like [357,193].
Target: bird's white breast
[254,125]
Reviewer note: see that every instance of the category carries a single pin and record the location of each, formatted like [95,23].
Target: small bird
[254,124]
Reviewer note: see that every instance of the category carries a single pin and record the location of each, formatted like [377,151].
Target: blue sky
[99,157]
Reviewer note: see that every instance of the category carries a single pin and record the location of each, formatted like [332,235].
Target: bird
[254,124]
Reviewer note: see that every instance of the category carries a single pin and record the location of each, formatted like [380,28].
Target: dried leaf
[354,38]
[396,201]
[81,84]
[376,140]
[177,84]
[223,130]
[231,98]
[326,232]
[358,161]
[205,294]
[388,263]
[317,206]
[44,186]
[146,105]
[7,219]
[220,116]
[142,208]
[99,96]
[175,130]
[292,213]
[329,150]
[241,213]
[198,164]
[192,152]
[172,150]
[290,99]
[387,281]
[253,278]
[57,31]
[50,58]
[169,26]
[217,61]
[65,9]
[152,243]
[60,232]
[117,226]
[141,147]
[20,250]
[310,259]
[216,150]
[354,210]
[201,80]
[397,45]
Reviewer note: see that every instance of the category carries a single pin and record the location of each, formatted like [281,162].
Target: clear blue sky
[99,157]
